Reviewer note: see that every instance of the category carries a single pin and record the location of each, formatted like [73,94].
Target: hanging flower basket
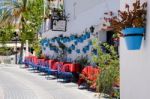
[133,37]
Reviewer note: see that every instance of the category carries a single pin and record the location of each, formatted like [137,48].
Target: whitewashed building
[82,15]
[134,65]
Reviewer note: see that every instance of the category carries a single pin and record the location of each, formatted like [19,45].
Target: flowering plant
[135,17]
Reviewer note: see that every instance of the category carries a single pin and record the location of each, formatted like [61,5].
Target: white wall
[135,66]
[85,14]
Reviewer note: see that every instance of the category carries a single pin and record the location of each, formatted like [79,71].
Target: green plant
[82,60]
[27,13]
[135,17]
[116,93]
[6,51]
[109,66]
[37,48]
[6,34]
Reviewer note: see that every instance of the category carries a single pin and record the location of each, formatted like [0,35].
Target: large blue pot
[133,37]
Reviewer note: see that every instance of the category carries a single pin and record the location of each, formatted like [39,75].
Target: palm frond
[5,17]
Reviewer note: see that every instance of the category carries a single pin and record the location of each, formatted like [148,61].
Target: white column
[135,65]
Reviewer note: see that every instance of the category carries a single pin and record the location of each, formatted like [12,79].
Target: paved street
[17,83]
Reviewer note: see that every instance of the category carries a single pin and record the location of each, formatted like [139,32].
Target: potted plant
[131,23]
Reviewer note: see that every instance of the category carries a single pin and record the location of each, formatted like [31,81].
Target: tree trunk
[21,53]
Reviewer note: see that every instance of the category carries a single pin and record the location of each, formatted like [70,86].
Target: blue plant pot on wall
[133,37]
[78,51]
[72,37]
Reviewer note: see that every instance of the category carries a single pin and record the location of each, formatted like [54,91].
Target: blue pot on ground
[133,37]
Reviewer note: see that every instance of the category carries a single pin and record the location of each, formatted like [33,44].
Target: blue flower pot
[76,42]
[72,47]
[72,37]
[87,35]
[64,40]
[84,50]
[53,40]
[78,51]
[80,40]
[58,39]
[69,51]
[90,43]
[46,44]
[133,37]
[84,36]
[87,48]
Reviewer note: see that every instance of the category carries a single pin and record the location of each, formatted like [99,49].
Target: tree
[5,34]
[25,15]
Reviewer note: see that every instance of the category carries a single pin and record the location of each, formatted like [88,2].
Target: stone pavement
[17,83]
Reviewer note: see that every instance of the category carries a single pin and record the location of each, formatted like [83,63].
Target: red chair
[74,68]
[52,67]
[64,72]
[53,64]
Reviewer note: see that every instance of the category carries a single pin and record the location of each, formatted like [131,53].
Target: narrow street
[18,83]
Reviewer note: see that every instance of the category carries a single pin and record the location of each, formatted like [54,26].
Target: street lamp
[16,39]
